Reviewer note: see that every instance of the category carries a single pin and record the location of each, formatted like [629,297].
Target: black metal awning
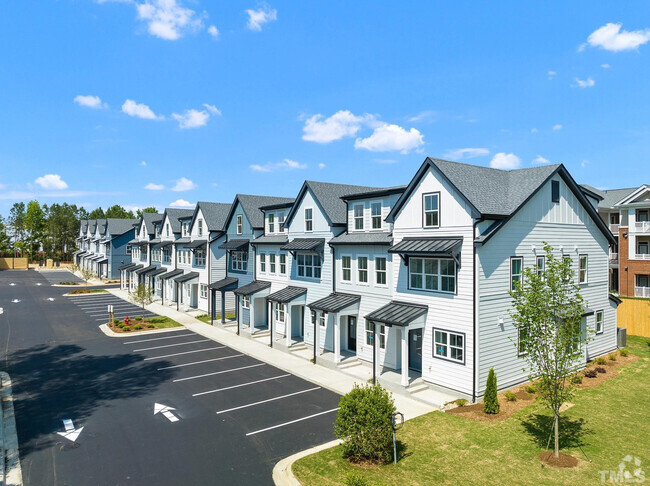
[102,260]
[171,274]
[157,272]
[397,313]
[304,244]
[195,245]
[165,244]
[136,268]
[253,287]
[187,277]
[127,266]
[335,302]
[271,240]
[144,270]
[234,245]
[432,246]
[287,294]
[228,283]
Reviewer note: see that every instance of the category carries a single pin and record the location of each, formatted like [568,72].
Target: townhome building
[89,229]
[174,232]
[143,251]
[104,248]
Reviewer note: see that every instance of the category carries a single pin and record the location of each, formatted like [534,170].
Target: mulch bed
[612,368]
[142,323]
[565,460]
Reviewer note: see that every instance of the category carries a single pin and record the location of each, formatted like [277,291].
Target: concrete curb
[11,474]
[282,473]
[110,333]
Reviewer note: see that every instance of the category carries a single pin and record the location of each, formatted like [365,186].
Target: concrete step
[349,363]
[298,347]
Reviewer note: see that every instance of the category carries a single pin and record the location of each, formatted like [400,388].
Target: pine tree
[490,401]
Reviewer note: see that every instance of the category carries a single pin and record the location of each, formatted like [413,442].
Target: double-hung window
[382,337]
[541,265]
[309,221]
[346,267]
[375,215]
[271,223]
[283,264]
[434,274]
[281,222]
[308,265]
[358,216]
[200,227]
[582,272]
[600,321]
[199,257]
[239,260]
[322,319]
[262,262]
[240,224]
[362,269]
[272,263]
[280,312]
[204,291]
[516,272]
[380,270]
[370,326]
[449,345]
[246,302]
[431,210]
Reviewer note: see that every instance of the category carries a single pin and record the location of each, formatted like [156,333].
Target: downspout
[315,333]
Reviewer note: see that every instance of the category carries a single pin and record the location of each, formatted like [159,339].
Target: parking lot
[58,276]
[96,307]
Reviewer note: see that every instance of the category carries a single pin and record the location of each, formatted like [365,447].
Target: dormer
[367,211]
[275,217]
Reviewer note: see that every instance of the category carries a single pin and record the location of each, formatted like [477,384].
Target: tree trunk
[557,433]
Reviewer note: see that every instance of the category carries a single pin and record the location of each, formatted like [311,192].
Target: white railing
[642,256]
[642,227]
[613,257]
[614,228]
[642,292]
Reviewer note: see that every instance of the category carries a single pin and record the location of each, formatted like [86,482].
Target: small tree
[86,275]
[490,401]
[547,313]
[363,423]
[143,295]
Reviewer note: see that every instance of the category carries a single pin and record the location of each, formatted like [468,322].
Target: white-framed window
[239,260]
[272,263]
[600,322]
[245,302]
[313,317]
[358,216]
[199,257]
[449,345]
[281,218]
[204,291]
[200,229]
[516,271]
[271,219]
[541,265]
[308,265]
[309,219]
[280,312]
[431,210]
[432,274]
[262,262]
[382,336]
[522,336]
[369,329]
[346,268]
[582,272]
[167,255]
[322,319]
[240,224]
[380,270]
[158,284]
[283,264]
[362,269]
[185,231]
[375,215]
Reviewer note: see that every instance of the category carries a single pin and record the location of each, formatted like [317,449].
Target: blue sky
[150,102]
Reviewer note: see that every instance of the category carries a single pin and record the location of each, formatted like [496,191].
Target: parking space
[257,398]
[58,276]
[96,307]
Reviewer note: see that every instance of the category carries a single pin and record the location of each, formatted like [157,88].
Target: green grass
[161,322]
[608,422]
[206,318]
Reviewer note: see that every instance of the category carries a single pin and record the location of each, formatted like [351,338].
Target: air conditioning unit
[621,337]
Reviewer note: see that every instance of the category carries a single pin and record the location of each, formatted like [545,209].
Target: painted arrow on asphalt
[166,411]
[15,301]
[51,299]
[70,432]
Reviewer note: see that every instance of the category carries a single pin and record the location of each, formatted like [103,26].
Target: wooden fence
[13,263]
[634,315]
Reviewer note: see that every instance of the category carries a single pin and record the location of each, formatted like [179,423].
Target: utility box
[621,337]
[50,263]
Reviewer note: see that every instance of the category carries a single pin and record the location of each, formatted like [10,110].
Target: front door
[352,333]
[415,349]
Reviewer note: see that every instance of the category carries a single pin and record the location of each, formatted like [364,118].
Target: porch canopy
[171,274]
[187,277]
[335,302]
[304,244]
[234,245]
[102,260]
[136,268]
[126,267]
[430,246]
[224,285]
[157,272]
[155,241]
[195,245]
[163,244]
[252,288]
[287,294]
[144,270]
[271,240]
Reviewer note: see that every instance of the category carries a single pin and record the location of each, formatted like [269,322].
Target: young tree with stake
[547,313]
[143,295]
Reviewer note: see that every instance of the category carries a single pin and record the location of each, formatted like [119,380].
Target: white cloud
[181,203]
[184,184]
[143,163]
[541,160]
[286,164]
[213,31]
[584,163]
[586,83]
[467,153]
[321,166]
[90,101]
[551,74]
[426,115]
[154,187]
[139,110]
[212,109]
[191,118]
[341,124]
[611,38]
[503,160]
[261,16]
[167,19]
[51,181]
[605,66]
[390,137]
[557,127]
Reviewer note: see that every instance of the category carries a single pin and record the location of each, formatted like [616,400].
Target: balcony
[613,257]
[642,292]
[614,228]
[642,256]
[642,227]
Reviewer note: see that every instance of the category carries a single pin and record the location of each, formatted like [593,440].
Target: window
[322,319]
[380,271]
[240,224]
[449,345]
[431,210]
[271,223]
[600,319]
[382,337]
[272,263]
[200,227]
[308,265]
[199,257]
[262,262]
[309,222]
[369,330]
[280,312]
[567,261]
[642,215]
[541,265]
[642,248]
[375,215]
[245,302]
[555,191]
[346,265]
[516,272]
[167,255]
[522,336]
[432,274]
[281,222]
[313,318]
[204,291]
[167,229]
[358,216]
[283,264]
[362,268]
[582,273]
[239,260]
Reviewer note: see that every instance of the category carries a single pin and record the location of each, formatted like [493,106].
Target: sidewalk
[10,471]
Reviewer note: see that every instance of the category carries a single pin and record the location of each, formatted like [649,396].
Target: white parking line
[219,372]
[124,304]
[121,312]
[200,362]
[158,339]
[186,352]
[170,345]
[243,384]
[293,421]
[269,400]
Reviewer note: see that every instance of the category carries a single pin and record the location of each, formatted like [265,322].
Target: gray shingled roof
[362,239]
[252,204]
[329,196]
[215,214]
[174,214]
[610,196]
[149,218]
[92,225]
[84,225]
[118,227]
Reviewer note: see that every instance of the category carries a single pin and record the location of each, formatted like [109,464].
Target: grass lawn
[608,421]
[146,323]
[206,318]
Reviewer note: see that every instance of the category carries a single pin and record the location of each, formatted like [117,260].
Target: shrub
[600,369]
[356,479]
[612,357]
[150,326]
[461,402]
[126,328]
[576,379]
[590,373]
[138,318]
[511,397]
[363,423]
[600,360]
[159,319]
[624,352]
[137,327]
[121,325]
[531,389]
[490,401]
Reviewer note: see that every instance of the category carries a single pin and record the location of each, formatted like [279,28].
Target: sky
[169,102]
